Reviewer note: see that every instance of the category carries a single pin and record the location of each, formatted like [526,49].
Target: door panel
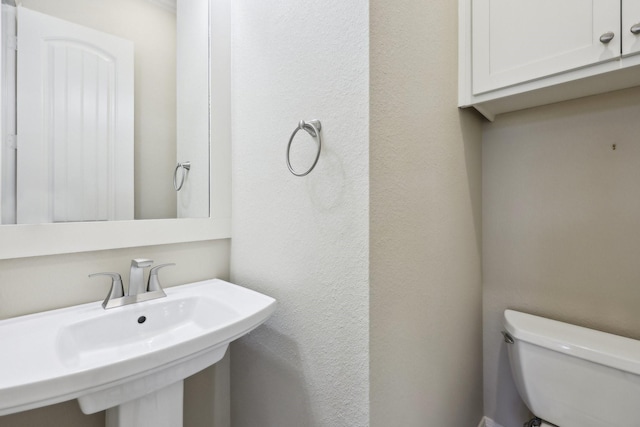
[74,122]
[8,94]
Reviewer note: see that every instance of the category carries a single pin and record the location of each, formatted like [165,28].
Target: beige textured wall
[29,285]
[425,260]
[561,225]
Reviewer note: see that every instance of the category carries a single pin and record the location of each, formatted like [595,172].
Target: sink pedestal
[153,400]
[160,409]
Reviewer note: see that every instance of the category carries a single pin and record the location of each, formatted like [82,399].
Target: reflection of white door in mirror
[74,122]
[8,117]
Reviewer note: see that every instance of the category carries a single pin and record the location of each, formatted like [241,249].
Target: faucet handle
[141,262]
[154,283]
[117,290]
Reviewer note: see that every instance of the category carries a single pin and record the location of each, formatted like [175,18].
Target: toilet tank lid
[588,344]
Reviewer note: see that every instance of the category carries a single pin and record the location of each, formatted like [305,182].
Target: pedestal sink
[130,360]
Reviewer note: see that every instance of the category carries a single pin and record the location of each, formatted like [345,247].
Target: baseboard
[488,422]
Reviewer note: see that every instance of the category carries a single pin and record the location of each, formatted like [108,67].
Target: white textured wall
[561,225]
[303,241]
[426,367]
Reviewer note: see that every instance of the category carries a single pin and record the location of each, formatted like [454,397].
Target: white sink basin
[105,358]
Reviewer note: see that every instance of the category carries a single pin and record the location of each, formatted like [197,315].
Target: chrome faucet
[136,276]
[138,290]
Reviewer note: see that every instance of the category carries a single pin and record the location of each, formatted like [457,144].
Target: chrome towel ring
[185,166]
[313,128]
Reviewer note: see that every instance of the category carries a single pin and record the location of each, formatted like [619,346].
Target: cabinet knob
[607,37]
[635,29]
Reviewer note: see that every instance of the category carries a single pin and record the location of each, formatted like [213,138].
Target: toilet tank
[573,376]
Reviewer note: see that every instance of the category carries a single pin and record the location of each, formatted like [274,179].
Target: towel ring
[313,128]
[185,166]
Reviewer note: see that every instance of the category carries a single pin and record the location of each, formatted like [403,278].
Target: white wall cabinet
[516,54]
[630,29]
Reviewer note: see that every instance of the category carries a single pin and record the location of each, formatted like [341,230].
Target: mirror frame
[18,241]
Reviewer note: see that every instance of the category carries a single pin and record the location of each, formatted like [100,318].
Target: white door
[74,122]
[630,18]
[515,41]
[8,117]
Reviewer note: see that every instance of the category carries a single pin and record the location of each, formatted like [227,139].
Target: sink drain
[142,319]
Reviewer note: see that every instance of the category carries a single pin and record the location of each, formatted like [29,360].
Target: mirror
[33,240]
[109,98]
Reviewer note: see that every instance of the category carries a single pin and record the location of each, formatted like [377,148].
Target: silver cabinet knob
[635,29]
[607,37]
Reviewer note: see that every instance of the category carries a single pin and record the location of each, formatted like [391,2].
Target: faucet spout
[136,275]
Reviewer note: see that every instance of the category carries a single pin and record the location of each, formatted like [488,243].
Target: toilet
[571,376]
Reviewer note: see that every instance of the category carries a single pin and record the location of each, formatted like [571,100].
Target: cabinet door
[630,18]
[515,41]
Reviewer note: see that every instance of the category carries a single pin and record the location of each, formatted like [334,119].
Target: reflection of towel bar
[313,128]
[185,166]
